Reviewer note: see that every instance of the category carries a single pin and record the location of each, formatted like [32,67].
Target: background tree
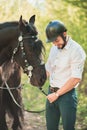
[73,14]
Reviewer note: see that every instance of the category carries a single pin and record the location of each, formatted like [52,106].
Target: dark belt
[53,89]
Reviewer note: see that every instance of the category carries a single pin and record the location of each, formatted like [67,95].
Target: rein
[9,90]
[12,95]
[40,88]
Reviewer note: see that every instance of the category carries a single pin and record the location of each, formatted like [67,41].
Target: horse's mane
[38,48]
[3,28]
[8,24]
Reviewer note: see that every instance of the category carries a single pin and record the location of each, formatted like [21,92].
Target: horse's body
[13,55]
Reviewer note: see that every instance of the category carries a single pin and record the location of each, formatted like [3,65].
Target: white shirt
[65,63]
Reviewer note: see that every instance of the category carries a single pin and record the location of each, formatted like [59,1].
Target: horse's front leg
[3,125]
[16,123]
[17,113]
[17,119]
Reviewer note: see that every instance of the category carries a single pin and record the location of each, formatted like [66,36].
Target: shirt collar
[68,38]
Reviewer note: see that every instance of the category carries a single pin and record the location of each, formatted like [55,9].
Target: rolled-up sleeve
[77,63]
[49,60]
[47,66]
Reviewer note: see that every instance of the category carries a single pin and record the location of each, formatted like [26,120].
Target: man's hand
[52,97]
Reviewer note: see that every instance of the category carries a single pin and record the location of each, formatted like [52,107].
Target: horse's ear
[32,19]
[20,21]
[21,24]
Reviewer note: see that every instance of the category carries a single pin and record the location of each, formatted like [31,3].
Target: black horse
[19,48]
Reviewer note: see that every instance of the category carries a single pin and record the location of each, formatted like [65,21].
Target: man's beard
[63,45]
[64,40]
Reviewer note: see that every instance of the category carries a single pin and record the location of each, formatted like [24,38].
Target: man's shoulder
[77,49]
[75,45]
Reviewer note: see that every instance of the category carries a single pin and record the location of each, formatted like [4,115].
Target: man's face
[59,42]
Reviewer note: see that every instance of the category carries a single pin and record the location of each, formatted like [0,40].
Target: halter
[27,67]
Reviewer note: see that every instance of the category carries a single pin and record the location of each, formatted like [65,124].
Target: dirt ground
[32,121]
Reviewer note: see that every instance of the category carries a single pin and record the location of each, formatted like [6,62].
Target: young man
[64,68]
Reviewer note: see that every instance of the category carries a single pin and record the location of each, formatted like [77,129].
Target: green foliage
[79,3]
[82,110]
[73,14]
[33,98]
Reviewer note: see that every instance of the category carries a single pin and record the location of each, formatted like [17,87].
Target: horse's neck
[7,35]
[5,70]
[8,24]
[8,40]
[8,70]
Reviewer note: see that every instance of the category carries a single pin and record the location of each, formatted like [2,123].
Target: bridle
[28,68]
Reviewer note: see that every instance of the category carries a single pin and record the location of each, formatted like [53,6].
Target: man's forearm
[69,85]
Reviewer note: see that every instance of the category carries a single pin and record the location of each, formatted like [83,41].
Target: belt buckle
[52,89]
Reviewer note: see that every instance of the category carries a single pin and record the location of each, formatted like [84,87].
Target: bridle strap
[30,37]
[20,44]
[12,95]
[11,88]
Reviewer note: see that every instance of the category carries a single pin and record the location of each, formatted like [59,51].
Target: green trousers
[65,106]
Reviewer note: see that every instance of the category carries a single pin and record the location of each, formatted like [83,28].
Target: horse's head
[29,55]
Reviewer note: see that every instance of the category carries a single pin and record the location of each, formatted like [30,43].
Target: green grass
[33,98]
